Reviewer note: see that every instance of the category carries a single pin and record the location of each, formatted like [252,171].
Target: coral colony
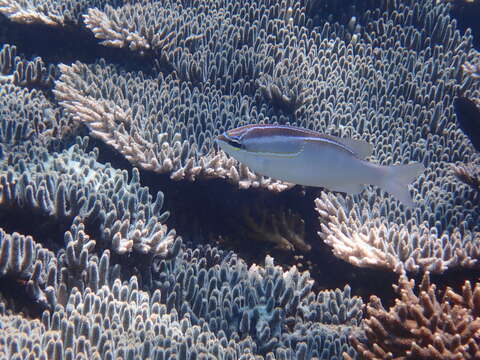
[94,263]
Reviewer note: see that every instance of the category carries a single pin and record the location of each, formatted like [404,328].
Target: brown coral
[285,229]
[469,174]
[472,69]
[421,326]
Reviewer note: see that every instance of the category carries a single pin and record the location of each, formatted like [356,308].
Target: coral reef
[159,27]
[92,300]
[17,254]
[27,115]
[101,271]
[34,74]
[370,243]
[472,69]
[48,278]
[150,135]
[51,13]
[318,81]
[422,326]
[469,174]
[203,302]
[440,232]
[276,308]
[70,184]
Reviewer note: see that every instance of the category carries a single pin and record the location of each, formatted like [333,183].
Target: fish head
[230,143]
[257,140]
[236,140]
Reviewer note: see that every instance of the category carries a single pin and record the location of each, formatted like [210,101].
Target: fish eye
[234,142]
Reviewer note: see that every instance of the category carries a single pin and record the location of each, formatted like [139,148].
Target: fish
[468,118]
[309,158]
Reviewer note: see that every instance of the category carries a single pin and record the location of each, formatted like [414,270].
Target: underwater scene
[239,179]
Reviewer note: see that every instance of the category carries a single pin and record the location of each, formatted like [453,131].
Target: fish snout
[222,137]
[222,141]
[226,141]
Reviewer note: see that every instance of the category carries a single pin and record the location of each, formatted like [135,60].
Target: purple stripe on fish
[259,131]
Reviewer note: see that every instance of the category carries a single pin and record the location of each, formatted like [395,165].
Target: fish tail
[397,178]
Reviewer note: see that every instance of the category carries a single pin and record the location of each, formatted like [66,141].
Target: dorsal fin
[362,148]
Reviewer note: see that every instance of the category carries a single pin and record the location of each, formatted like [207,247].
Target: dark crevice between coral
[467,15]
[14,294]
[45,229]
[454,278]
[69,44]
[338,11]
[134,264]
[107,154]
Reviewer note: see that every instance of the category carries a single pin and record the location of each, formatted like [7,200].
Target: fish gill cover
[92,261]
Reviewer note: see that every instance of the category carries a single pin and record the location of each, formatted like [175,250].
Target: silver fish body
[306,157]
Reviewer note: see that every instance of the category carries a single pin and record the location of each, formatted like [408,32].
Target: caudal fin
[398,177]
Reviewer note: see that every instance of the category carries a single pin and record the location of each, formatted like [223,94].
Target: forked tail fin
[398,177]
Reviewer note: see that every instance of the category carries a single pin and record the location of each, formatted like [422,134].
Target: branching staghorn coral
[262,302]
[47,277]
[7,60]
[26,115]
[421,325]
[159,27]
[287,89]
[72,184]
[245,305]
[285,37]
[108,103]
[203,41]
[236,61]
[363,79]
[51,13]
[117,322]
[472,69]
[32,74]
[441,232]
[63,185]
[371,243]
[23,12]
[16,254]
